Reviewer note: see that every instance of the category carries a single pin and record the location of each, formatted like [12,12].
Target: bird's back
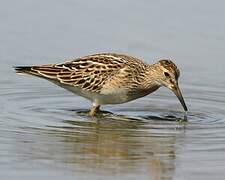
[89,72]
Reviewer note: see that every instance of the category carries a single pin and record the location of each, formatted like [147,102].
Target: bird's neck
[151,77]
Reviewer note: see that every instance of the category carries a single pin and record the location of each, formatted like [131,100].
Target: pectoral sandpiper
[109,78]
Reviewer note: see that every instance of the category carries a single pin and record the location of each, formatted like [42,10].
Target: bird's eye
[166,74]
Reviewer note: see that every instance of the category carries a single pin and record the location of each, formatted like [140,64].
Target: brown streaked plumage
[109,78]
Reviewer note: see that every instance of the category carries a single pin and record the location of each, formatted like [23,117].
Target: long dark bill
[178,93]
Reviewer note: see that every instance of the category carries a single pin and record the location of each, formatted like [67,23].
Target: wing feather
[89,72]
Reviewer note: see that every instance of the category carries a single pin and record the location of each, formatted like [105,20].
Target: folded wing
[89,73]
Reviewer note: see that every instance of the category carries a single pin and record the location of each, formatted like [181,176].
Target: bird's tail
[30,70]
[43,71]
[23,69]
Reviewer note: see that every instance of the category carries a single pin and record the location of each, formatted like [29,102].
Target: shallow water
[45,132]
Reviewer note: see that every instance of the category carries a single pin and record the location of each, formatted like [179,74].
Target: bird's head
[167,76]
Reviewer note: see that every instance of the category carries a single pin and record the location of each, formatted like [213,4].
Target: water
[44,130]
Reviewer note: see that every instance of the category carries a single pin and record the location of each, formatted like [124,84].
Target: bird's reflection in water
[113,144]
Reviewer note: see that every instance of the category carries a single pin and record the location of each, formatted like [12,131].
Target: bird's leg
[94,109]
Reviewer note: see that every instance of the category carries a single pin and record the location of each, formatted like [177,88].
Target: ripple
[132,136]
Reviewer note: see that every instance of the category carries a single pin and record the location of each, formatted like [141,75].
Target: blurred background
[42,136]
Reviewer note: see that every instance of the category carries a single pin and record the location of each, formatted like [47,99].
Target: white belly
[100,98]
[117,96]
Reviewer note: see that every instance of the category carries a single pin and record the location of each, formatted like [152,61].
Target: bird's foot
[94,110]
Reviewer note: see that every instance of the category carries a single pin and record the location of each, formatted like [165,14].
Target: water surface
[45,132]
